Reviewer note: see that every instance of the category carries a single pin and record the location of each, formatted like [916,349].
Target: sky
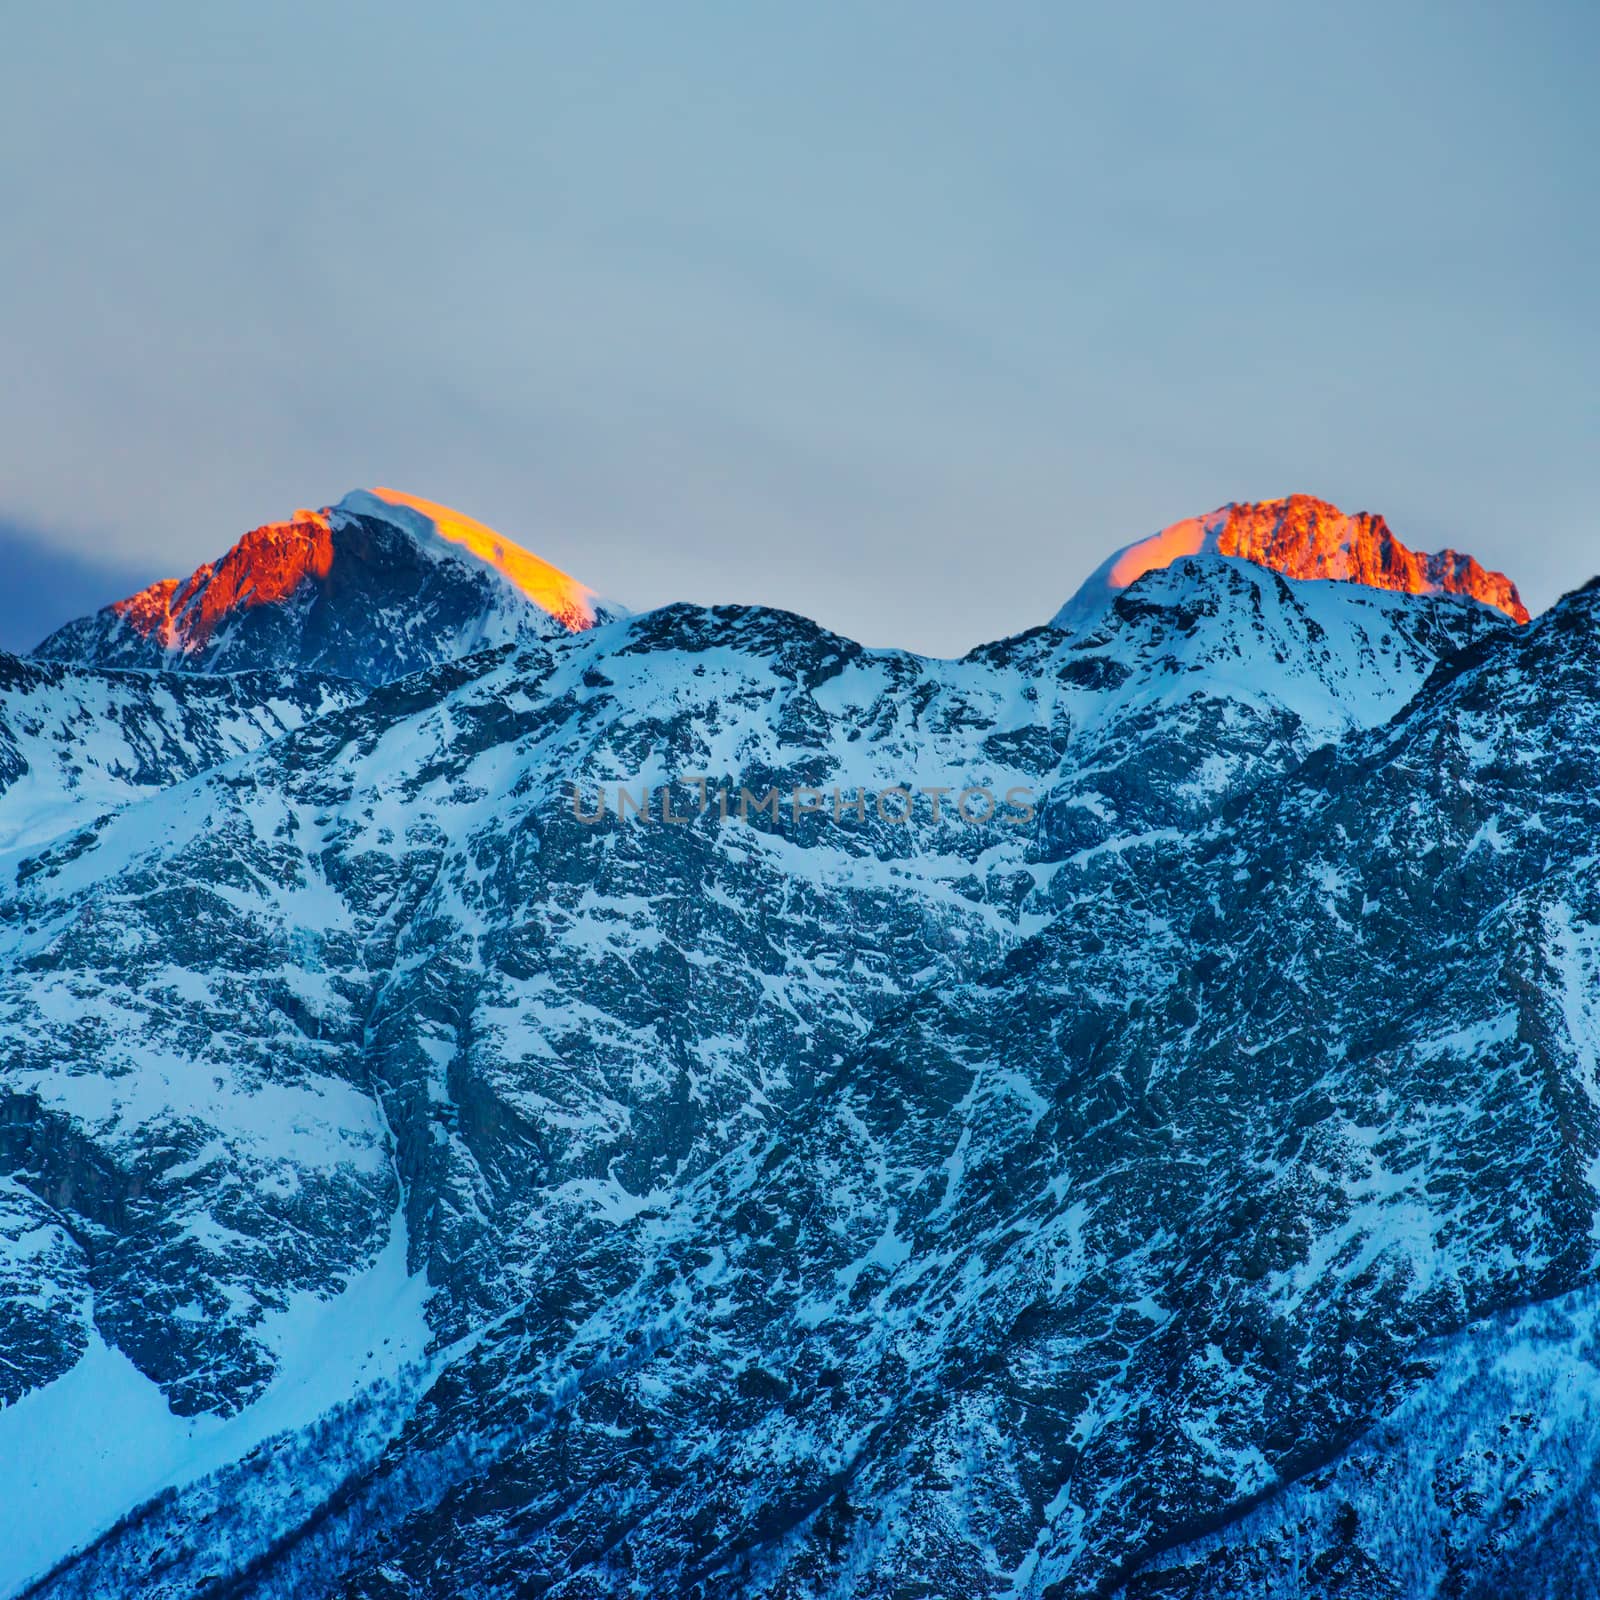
[900,315]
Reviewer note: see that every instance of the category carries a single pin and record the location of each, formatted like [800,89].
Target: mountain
[1302,538]
[1180,1181]
[415,855]
[380,585]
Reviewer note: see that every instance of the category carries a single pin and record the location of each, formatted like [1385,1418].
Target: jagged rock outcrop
[1306,539]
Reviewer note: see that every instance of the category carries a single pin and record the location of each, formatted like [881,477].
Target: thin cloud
[48,584]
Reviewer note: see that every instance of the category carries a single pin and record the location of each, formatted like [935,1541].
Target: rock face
[1301,538]
[1182,1183]
[378,586]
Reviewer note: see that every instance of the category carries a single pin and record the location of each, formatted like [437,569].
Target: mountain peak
[382,584]
[573,604]
[1300,537]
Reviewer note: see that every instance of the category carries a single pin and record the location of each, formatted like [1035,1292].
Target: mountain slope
[530,1032]
[1068,1264]
[75,743]
[380,585]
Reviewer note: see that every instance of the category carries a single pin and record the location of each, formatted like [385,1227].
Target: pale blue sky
[900,315]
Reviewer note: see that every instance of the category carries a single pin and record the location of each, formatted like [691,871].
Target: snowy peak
[573,604]
[381,585]
[1338,655]
[1299,537]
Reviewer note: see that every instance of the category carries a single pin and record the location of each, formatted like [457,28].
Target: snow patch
[99,1441]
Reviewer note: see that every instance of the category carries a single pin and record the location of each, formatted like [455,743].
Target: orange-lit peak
[1303,537]
[295,560]
[570,602]
[268,564]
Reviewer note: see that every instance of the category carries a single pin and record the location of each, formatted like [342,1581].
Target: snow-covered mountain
[467,1189]
[1304,538]
[382,584]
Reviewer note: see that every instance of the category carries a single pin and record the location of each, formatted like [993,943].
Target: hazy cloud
[45,585]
